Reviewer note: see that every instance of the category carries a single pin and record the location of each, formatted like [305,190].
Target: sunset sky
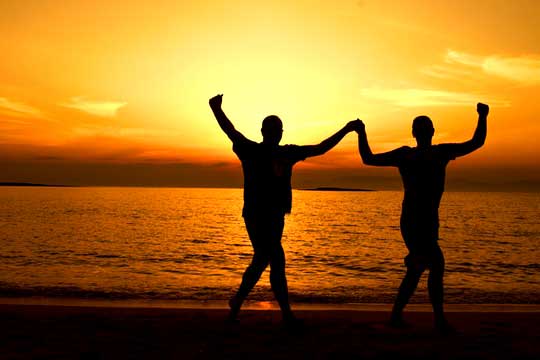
[116,92]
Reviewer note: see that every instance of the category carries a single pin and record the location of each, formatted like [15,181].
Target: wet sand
[74,332]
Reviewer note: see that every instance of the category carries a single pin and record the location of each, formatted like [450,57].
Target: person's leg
[436,289]
[415,267]
[253,272]
[278,279]
[406,289]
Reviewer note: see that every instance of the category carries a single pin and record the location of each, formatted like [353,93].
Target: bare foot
[398,323]
[234,305]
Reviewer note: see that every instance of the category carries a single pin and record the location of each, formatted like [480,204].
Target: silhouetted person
[267,168]
[422,170]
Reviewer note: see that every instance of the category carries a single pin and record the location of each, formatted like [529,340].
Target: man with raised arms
[267,168]
[422,170]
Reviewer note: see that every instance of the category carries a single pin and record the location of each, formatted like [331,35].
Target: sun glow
[134,80]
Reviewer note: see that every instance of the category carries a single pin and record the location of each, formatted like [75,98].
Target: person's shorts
[420,231]
[432,258]
[265,231]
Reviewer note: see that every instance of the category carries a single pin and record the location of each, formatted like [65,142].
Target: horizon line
[316,188]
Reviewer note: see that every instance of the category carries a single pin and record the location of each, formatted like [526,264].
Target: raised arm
[478,139]
[222,119]
[390,158]
[326,145]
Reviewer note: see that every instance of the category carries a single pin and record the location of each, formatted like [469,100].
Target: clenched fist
[215,102]
[482,109]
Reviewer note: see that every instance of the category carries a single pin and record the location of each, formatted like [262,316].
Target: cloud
[129,132]
[18,109]
[424,97]
[524,69]
[98,108]
[452,57]
[449,72]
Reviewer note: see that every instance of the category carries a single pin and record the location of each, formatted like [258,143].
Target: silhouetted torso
[423,174]
[267,176]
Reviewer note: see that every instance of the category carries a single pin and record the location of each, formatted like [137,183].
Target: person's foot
[444,328]
[234,305]
[397,322]
[291,322]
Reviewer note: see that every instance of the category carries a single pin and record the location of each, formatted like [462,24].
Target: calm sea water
[173,243]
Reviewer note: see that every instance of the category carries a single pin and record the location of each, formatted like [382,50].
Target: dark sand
[71,332]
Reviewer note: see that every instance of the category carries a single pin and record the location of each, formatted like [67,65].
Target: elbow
[479,142]
[320,149]
[367,160]
[483,140]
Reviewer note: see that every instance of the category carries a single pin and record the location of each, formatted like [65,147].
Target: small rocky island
[29,184]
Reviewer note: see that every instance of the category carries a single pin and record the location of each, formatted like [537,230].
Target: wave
[338,295]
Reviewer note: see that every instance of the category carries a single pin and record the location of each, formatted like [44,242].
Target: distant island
[30,184]
[335,189]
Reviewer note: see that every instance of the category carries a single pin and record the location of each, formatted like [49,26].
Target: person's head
[272,130]
[422,130]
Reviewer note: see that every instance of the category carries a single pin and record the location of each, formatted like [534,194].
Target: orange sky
[91,90]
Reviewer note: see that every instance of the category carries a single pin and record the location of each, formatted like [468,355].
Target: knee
[437,266]
[414,273]
[436,272]
[277,275]
[259,262]
[277,265]
[415,266]
[277,260]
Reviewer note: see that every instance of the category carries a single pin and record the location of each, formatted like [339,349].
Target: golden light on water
[180,244]
[265,305]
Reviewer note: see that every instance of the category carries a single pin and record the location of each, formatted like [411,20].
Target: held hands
[482,109]
[355,125]
[215,102]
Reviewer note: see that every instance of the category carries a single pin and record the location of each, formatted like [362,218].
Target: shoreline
[512,190]
[260,305]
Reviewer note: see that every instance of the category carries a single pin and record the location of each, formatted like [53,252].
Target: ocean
[191,244]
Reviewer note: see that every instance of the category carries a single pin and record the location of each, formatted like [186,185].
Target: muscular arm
[327,144]
[390,158]
[223,121]
[478,139]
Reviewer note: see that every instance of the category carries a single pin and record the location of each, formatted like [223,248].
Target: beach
[101,332]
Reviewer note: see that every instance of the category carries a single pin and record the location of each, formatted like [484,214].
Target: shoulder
[295,152]
[243,144]
[290,147]
[401,154]
[403,150]
[445,151]
[244,141]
